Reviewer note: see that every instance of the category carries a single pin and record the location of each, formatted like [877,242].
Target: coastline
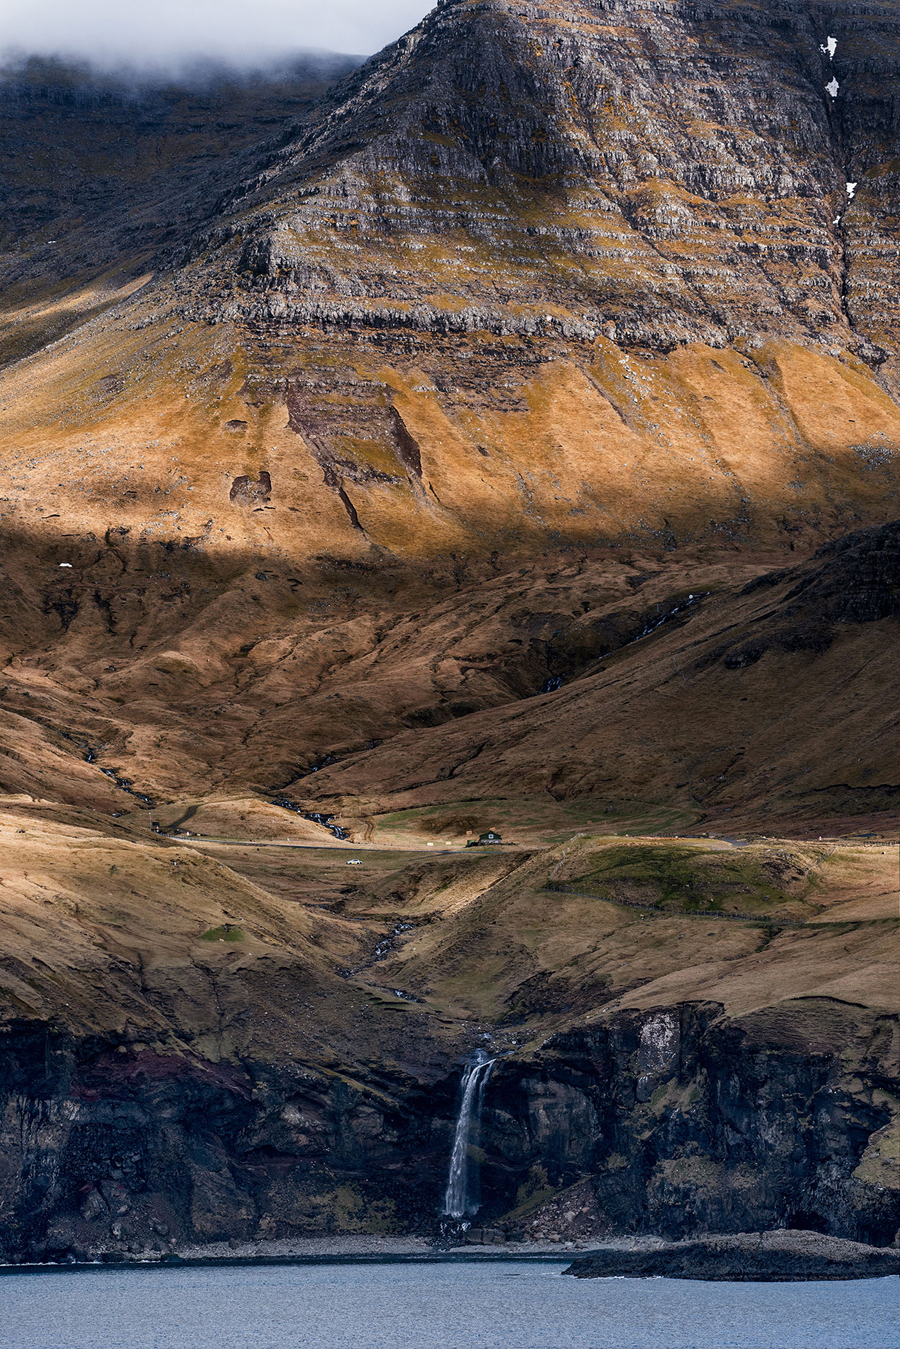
[779,1256]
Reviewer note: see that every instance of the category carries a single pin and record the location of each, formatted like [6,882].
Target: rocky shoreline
[777,1257]
[763,1257]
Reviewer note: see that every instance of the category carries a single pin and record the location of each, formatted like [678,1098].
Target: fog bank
[176,34]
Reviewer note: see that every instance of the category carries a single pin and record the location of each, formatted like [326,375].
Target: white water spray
[474,1080]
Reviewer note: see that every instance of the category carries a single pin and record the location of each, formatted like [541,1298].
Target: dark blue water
[503,1305]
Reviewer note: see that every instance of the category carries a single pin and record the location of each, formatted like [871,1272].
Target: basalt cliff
[501,433]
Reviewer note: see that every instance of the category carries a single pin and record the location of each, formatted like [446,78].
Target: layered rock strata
[664,173]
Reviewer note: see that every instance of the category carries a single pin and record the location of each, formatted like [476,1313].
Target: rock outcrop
[688,1123]
[769,1257]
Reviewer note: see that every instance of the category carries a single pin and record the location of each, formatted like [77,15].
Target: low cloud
[171,33]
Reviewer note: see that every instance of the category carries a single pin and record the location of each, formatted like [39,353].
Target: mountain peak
[666,173]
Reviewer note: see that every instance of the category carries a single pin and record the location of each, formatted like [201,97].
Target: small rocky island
[760,1257]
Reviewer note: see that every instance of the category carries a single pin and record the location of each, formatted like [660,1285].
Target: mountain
[658,174]
[499,434]
[100,172]
[528,283]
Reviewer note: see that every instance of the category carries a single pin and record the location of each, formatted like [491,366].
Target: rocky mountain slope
[428,336]
[99,174]
[738,705]
[660,173]
[504,436]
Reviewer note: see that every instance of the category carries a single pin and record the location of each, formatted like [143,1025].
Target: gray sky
[165,32]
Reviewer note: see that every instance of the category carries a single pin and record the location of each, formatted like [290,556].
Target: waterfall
[457,1202]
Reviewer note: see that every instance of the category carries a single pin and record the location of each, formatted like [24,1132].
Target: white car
[354,862]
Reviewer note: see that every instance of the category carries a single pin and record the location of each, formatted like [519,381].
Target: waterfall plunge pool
[458,1304]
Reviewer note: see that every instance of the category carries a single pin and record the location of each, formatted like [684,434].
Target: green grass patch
[685,880]
[521,820]
[536,1191]
[227,932]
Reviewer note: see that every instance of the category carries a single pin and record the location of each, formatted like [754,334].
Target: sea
[502,1304]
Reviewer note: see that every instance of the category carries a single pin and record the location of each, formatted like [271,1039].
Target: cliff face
[194,1052]
[670,1122]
